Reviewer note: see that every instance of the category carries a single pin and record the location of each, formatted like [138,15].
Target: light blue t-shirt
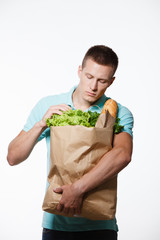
[57,222]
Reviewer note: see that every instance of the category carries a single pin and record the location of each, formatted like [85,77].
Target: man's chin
[91,100]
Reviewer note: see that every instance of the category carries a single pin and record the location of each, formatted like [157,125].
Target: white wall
[41,45]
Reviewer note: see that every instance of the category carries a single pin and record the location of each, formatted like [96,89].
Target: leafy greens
[74,117]
[117,127]
[78,117]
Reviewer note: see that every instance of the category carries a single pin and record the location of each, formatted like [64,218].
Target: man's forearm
[108,166]
[20,148]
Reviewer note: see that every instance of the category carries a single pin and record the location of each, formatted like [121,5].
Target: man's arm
[21,147]
[108,166]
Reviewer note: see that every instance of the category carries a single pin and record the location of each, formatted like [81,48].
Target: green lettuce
[73,117]
[78,117]
[117,127]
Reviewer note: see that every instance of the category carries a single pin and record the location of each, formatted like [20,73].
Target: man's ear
[79,71]
[112,80]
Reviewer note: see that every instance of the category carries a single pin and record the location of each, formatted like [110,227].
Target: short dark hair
[102,55]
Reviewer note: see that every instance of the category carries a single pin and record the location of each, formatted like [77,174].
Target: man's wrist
[41,125]
[79,187]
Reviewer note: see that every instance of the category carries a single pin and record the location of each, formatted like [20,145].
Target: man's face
[94,80]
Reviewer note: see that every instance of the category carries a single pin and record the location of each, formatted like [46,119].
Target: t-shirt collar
[100,102]
[69,100]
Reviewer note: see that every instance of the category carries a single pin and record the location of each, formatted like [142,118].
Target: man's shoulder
[44,103]
[54,99]
[122,110]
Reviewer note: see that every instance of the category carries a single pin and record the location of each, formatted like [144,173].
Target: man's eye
[102,81]
[89,76]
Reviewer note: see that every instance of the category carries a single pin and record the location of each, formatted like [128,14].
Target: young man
[96,74]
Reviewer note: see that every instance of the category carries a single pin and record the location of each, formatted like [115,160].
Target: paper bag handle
[98,107]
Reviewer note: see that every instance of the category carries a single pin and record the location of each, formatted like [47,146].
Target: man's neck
[78,101]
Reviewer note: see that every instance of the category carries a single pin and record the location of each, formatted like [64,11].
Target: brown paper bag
[75,150]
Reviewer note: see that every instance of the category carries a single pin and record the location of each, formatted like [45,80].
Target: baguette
[111,106]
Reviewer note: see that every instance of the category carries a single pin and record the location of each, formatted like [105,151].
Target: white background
[41,45]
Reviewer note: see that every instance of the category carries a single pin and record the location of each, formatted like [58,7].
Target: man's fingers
[58,190]
[54,109]
[61,107]
[66,106]
[60,207]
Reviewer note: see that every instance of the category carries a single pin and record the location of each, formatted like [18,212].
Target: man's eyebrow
[89,74]
[107,80]
[104,79]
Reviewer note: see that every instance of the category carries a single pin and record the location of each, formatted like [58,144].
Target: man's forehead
[91,63]
[103,71]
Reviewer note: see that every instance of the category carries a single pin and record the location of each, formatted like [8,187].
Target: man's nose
[94,85]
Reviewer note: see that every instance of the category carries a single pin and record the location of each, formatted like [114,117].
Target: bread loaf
[111,106]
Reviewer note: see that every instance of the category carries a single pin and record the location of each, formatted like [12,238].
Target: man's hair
[102,55]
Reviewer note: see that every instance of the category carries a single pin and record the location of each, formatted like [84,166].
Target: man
[96,74]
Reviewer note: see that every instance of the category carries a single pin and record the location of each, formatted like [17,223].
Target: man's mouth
[91,94]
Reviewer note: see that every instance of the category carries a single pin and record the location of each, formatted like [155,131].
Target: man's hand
[109,165]
[71,200]
[57,109]
[20,147]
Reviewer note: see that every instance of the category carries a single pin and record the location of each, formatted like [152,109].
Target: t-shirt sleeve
[35,116]
[126,119]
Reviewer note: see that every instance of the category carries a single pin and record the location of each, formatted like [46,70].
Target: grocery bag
[74,151]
